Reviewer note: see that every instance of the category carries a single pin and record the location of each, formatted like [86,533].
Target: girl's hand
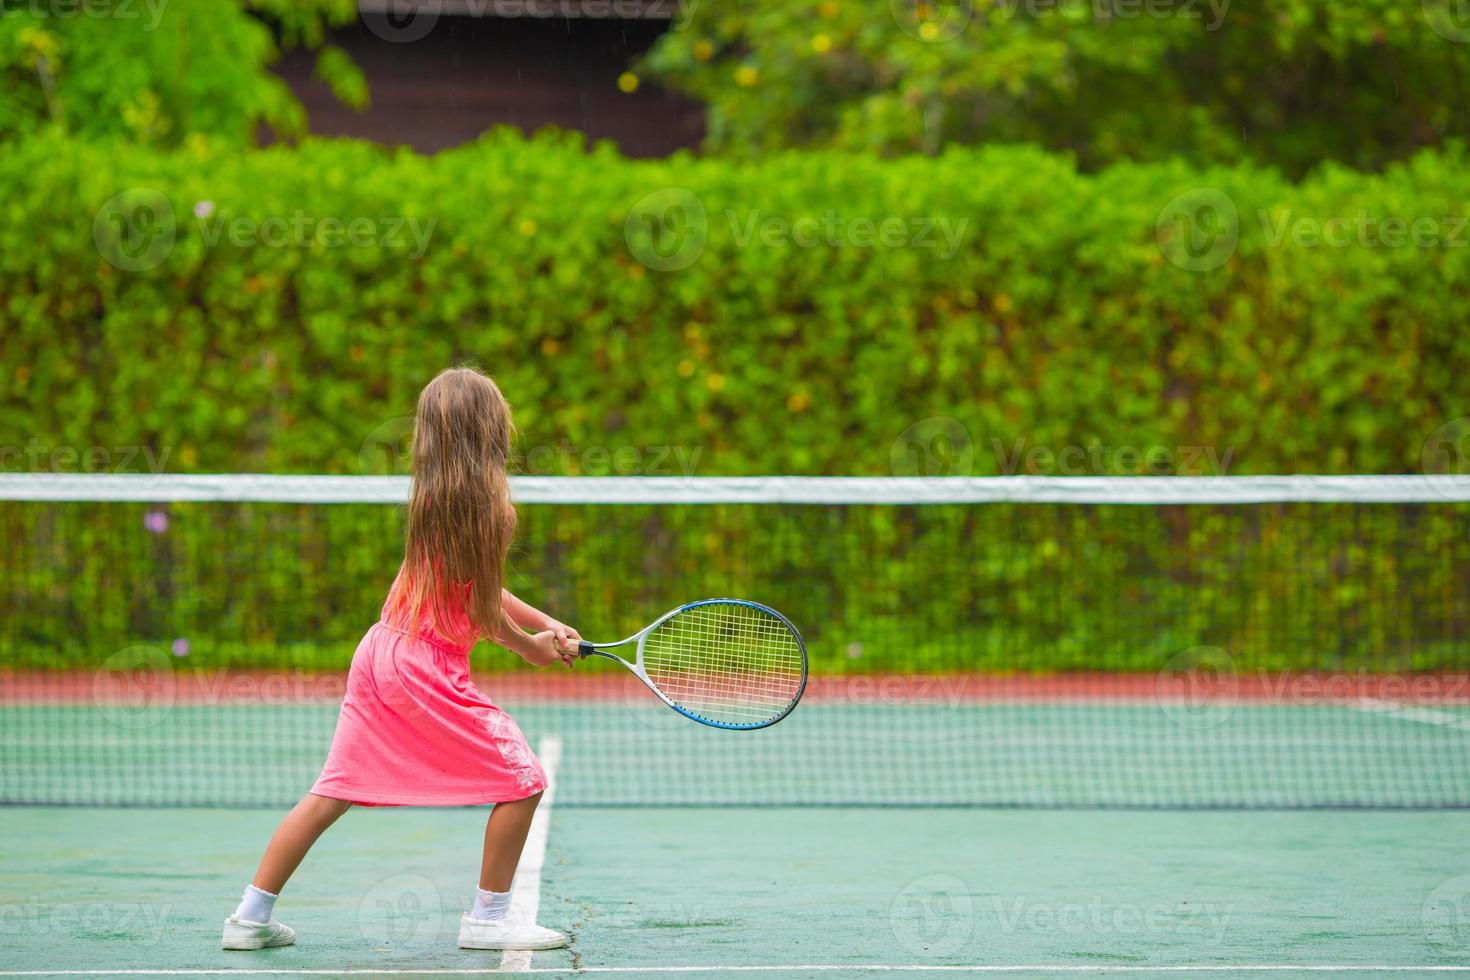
[545,650]
[567,637]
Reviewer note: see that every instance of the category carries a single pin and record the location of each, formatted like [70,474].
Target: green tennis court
[784,890]
[787,889]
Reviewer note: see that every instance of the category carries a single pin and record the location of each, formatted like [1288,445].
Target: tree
[1287,82]
[157,73]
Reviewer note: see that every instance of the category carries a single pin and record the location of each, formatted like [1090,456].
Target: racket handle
[584,648]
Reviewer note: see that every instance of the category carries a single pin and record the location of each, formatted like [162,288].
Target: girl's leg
[294,837]
[505,835]
[488,924]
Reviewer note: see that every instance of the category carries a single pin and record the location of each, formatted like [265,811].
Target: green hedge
[1065,319]
[1059,321]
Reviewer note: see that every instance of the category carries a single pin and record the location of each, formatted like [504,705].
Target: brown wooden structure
[528,63]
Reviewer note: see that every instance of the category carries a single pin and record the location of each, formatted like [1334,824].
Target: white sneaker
[244,934]
[500,934]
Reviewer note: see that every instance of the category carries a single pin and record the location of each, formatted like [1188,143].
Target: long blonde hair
[460,518]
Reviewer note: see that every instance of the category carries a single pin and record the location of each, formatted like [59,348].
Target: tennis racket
[726,663]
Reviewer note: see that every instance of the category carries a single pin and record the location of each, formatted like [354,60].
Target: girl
[414,730]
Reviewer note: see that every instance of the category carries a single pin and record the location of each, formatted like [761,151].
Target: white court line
[797,967]
[525,887]
[1427,715]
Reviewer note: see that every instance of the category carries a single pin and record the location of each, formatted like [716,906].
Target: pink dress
[415,731]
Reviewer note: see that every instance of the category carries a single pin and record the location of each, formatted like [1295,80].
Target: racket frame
[586,649]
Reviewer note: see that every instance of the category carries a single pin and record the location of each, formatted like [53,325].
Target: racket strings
[729,663]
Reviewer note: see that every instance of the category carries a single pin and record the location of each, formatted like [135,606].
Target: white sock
[256,905]
[490,905]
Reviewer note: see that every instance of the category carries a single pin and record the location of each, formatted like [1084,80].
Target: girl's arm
[527,616]
[538,649]
[548,641]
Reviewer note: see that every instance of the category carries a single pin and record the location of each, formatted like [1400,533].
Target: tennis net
[1109,642]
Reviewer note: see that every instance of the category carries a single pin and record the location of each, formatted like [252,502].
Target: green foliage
[1057,320]
[255,339]
[155,74]
[1290,83]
